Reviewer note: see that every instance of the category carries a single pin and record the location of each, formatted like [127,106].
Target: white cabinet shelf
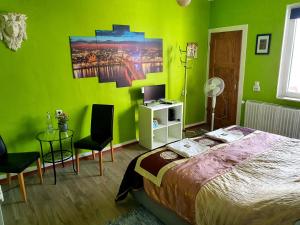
[171,123]
[172,139]
[160,126]
[169,129]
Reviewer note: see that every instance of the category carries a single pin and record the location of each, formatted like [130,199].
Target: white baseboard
[122,144]
[194,124]
[84,154]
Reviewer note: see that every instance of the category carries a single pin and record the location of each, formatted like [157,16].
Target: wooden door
[225,56]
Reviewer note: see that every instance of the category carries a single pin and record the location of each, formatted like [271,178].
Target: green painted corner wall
[262,16]
[38,77]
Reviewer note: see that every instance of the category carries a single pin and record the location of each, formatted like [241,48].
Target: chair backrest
[3,150]
[102,121]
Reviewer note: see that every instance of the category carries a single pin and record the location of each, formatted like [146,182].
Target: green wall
[262,16]
[38,77]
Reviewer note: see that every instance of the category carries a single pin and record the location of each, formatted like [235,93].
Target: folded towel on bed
[187,148]
[225,135]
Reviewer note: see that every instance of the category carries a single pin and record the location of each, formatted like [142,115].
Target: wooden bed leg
[94,154]
[100,163]
[22,186]
[8,177]
[112,152]
[77,160]
[39,170]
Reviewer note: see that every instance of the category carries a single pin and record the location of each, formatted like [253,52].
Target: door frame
[244,29]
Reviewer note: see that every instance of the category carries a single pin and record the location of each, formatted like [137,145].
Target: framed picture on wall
[263,42]
[191,50]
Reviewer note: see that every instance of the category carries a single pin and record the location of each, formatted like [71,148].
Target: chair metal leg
[100,163]
[39,170]
[112,152]
[22,186]
[8,177]
[94,154]
[77,160]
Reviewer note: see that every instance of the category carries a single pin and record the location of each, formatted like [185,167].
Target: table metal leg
[61,152]
[53,161]
[72,155]
[41,145]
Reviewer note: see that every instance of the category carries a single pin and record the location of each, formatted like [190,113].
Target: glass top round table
[55,135]
[59,155]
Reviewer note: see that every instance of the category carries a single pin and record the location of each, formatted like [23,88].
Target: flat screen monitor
[154,93]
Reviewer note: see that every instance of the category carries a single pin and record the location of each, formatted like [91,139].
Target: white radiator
[273,118]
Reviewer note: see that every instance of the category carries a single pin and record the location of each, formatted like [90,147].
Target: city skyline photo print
[117,56]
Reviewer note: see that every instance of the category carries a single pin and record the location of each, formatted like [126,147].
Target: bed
[253,181]
[1,201]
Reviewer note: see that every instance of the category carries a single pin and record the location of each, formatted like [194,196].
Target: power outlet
[58,112]
[256,86]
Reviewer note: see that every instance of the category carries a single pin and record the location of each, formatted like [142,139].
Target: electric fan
[213,88]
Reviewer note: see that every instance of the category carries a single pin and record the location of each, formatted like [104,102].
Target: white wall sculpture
[13,29]
[183,3]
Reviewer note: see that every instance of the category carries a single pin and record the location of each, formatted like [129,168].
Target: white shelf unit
[167,131]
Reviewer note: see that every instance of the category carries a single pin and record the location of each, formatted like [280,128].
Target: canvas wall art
[117,56]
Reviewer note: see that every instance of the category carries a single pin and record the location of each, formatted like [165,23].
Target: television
[154,93]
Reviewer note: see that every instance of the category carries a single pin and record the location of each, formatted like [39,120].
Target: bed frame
[167,216]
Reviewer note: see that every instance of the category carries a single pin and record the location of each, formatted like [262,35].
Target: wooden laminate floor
[84,199]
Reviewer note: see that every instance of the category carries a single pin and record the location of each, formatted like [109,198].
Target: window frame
[286,57]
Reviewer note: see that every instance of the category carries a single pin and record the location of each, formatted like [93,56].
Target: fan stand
[213,104]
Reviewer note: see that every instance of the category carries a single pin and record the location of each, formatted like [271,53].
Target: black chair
[17,163]
[101,134]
